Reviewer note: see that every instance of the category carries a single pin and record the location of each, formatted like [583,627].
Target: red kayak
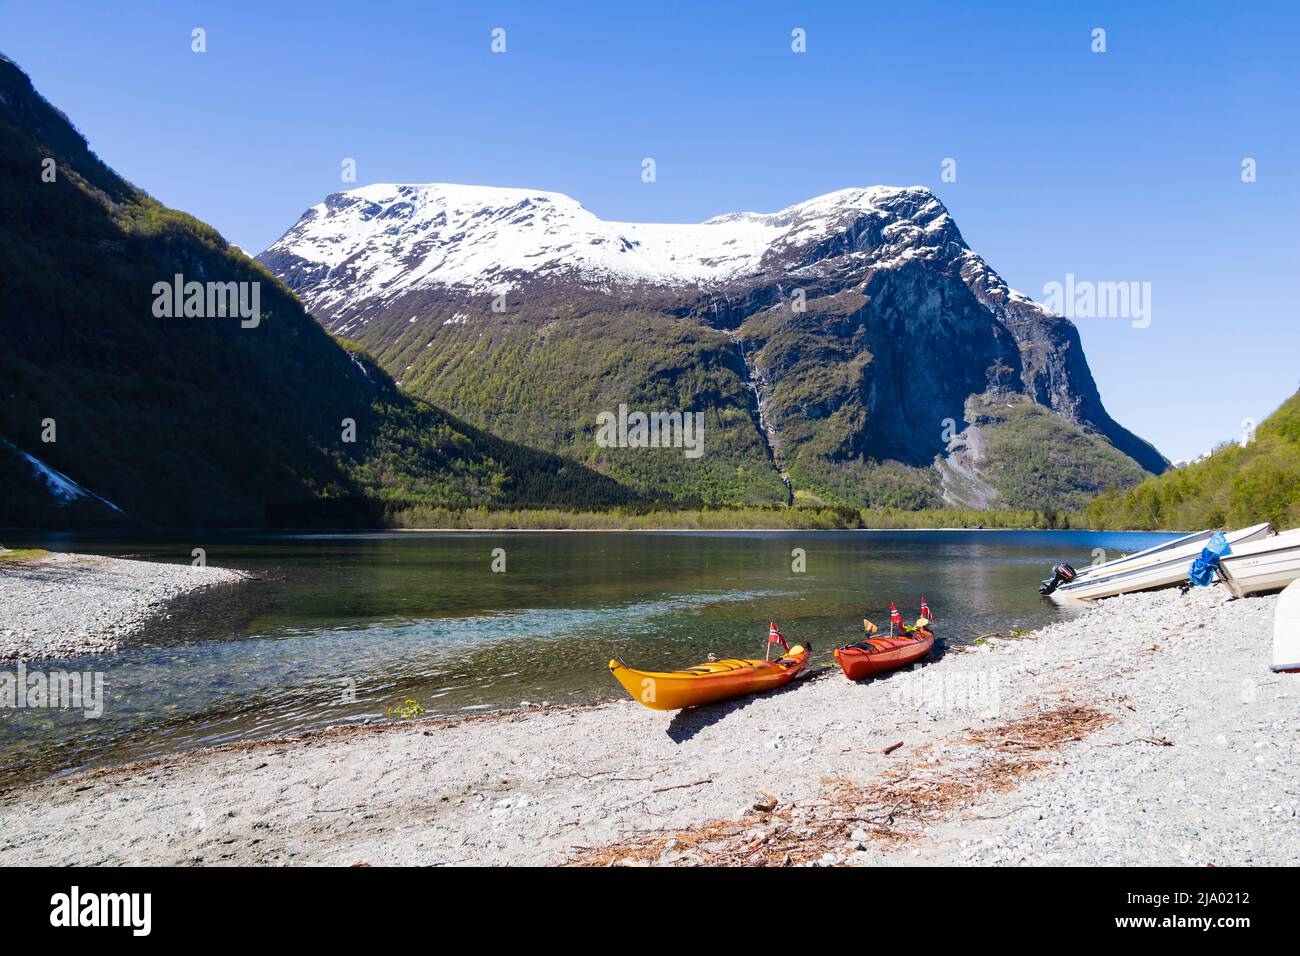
[878,654]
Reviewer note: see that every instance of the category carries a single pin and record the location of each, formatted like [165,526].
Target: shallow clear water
[342,627]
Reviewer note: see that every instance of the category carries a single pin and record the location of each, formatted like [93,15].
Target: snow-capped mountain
[383,240]
[806,322]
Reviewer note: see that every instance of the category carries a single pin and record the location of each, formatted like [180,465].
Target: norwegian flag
[774,636]
[925,610]
[895,619]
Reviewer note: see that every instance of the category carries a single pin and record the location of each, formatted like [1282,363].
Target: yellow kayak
[706,683]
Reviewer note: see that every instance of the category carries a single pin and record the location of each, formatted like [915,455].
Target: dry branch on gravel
[892,811]
[1047,729]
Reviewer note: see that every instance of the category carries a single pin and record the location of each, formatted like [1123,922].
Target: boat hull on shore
[1148,570]
[1286,631]
[709,682]
[879,654]
[1262,565]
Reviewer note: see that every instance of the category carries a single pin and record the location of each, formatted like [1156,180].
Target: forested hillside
[1237,485]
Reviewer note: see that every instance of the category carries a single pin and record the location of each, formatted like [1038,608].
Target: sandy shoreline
[1148,730]
[63,605]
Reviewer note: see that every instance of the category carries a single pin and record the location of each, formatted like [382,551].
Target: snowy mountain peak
[822,307]
[385,239]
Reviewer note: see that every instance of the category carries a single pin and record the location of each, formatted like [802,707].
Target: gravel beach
[62,605]
[1148,730]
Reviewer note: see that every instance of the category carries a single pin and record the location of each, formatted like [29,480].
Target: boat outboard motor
[1061,574]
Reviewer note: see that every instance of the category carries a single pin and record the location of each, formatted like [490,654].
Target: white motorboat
[1198,538]
[1068,574]
[1286,630]
[1265,564]
[1159,567]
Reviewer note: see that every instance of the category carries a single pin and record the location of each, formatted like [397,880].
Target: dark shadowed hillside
[197,421]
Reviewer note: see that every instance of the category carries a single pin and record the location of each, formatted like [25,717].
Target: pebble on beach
[65,605]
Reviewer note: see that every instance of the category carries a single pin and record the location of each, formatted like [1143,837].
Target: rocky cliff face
[837,347]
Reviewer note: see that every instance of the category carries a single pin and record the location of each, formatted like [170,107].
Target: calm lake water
[342,627]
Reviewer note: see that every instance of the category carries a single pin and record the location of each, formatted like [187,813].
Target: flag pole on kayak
[773,636]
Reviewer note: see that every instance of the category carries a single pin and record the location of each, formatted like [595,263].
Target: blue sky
[1123,166]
